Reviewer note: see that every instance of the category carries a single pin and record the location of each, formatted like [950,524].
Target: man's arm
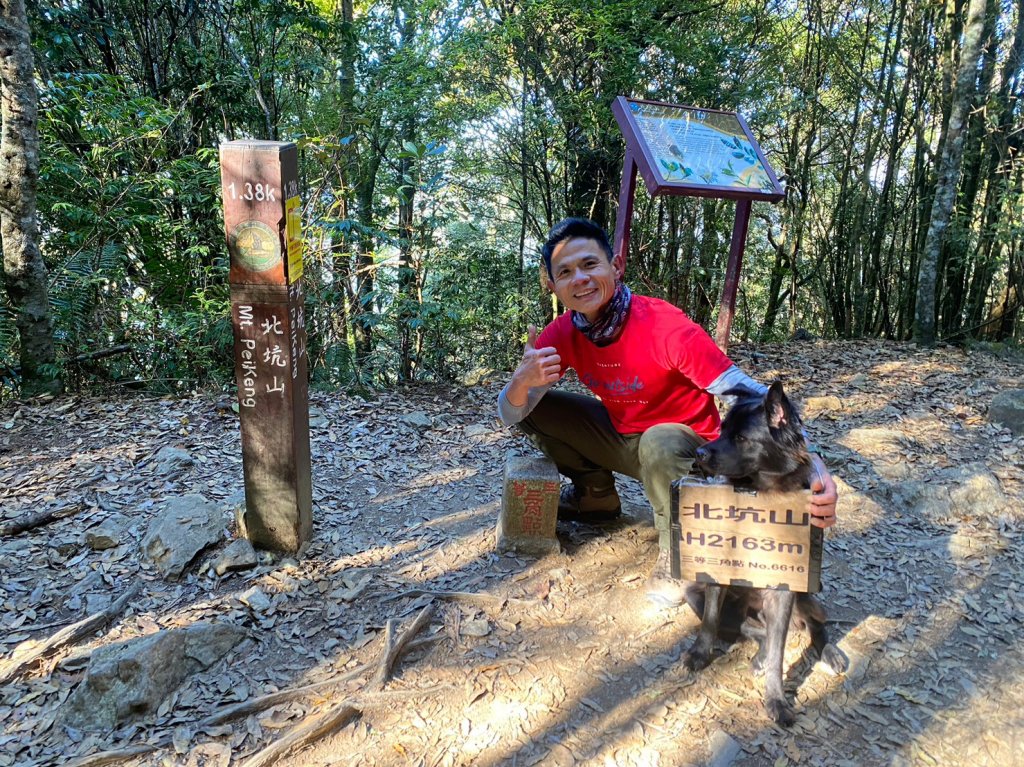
[734,384]
[512,414]
[538,371]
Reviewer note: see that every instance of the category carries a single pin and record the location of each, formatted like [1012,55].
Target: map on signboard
[697,147]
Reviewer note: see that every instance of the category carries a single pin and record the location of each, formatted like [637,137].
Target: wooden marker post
[262,221]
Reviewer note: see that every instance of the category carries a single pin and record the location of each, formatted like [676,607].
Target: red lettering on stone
[532,497]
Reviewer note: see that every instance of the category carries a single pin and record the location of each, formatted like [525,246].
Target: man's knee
[669,444]
[552,412]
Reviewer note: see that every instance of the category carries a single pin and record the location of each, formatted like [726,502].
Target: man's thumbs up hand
[539,367]
[531,338]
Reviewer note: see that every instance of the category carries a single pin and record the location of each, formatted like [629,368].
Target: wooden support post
[262,221]
[624,217]
[727,307]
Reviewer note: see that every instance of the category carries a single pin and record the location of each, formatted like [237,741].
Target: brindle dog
[761,446]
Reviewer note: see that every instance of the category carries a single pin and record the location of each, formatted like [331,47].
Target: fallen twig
[459,596]
[386,697]
[37,519]
[393,649]
[276,698]
[110,757]
[287,696]
[41,626]
[305,733]
[389,643]
[652,629]
[66,636]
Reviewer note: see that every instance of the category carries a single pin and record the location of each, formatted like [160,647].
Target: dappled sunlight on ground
[552,661]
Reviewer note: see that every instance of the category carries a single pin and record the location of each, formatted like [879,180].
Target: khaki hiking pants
[575,432]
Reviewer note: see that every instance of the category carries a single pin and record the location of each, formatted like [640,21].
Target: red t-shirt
[655,372]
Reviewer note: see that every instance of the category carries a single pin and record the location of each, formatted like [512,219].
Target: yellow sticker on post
[293,227]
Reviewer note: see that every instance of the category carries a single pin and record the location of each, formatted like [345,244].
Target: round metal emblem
[257,247]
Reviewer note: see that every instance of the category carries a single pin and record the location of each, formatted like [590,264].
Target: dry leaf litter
[556,661]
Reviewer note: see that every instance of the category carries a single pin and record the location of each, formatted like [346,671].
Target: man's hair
[567,229]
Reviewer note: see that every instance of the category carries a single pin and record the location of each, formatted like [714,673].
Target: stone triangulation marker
[529,506]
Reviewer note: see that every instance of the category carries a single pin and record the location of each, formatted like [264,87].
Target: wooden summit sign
[683,150]
[744,538]
[262,222]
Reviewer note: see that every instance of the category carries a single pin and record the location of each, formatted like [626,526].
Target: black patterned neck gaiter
[606,328]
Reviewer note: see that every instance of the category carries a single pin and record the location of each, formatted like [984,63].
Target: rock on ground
[418,420]
[129,680]
[187,525]
[239,555]
[960,492]
[171,461]
[107,534]
[1007,408]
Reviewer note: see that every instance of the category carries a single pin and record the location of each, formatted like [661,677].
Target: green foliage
[8,352]
[129,228]
[473,310]
[440,140]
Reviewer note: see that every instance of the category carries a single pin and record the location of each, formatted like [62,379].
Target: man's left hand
[822,506]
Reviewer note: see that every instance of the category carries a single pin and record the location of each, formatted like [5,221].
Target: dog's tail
[809,613]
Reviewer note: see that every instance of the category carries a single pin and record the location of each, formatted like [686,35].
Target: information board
[695,146]
[692,151]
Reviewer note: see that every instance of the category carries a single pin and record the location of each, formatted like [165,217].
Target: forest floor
[550,661]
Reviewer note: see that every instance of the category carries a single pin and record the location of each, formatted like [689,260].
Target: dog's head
[762,443]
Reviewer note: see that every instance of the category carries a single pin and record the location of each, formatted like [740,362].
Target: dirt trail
[556,661]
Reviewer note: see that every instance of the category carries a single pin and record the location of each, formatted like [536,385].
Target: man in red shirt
[654,372]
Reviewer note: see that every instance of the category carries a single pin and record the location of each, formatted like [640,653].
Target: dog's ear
[778,409]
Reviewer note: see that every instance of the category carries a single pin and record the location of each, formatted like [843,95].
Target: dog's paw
[695,659]
[835,660]
[780,712]
[757,663]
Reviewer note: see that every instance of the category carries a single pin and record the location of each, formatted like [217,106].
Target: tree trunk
[956,263]
[365,266]
[406,268]
[997,179]
[24,270]
[524,170]
[949,174]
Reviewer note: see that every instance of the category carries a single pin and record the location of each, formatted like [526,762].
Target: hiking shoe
[589,506]
[662,589]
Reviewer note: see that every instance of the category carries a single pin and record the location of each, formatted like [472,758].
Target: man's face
[582,277]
